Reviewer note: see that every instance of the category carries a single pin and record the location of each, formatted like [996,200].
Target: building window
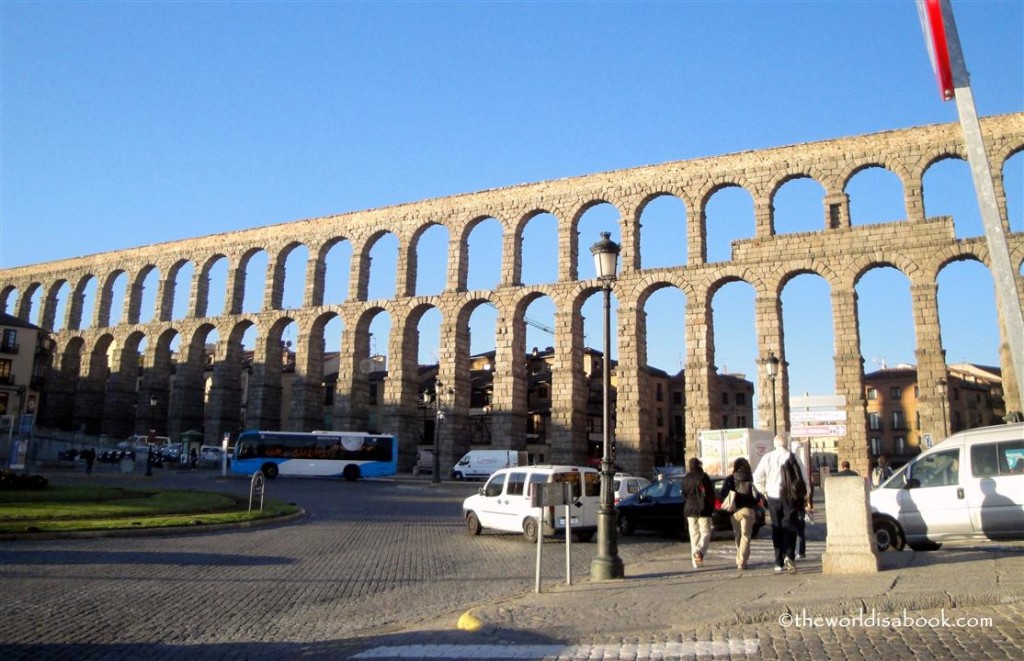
[917,420]
[677,422]
[876,445]
[901,445]
[917,392]
[658,395]
[741,400]
[9,343]
[741,421]
[5,370]
[875,422]
[725,421]
[725,398]
[677,397]
[897,420]
[661,419]
[895,392]
[872,394]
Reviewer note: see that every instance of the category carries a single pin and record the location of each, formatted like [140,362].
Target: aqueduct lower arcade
[97,383]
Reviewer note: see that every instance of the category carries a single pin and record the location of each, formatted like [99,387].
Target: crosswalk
[555,652]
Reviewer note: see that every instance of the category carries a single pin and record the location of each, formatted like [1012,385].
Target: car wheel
[627,526]
[458,476]
[530,529]
[887,535]
[269,470]
[925,546]
[584,536]
[473,524]
[351,473]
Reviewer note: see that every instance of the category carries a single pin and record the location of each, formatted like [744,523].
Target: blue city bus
[346,454]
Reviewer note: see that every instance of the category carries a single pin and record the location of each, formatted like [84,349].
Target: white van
[968,487]
[481,463]
[505,502]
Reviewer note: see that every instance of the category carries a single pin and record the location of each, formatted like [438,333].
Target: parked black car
[659,507]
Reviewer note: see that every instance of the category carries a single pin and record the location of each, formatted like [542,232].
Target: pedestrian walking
[784,500]
[193,459]
[741,483]
[881,472]
[845,470]
[698,506]
[89,455]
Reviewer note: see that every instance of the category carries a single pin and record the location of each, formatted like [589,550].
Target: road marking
[589,652]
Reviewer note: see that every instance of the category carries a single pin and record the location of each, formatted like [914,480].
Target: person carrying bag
[740,499]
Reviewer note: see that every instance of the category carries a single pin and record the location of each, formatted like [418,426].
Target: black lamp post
[439,391]
[607,564]
[772,363]
[152,436]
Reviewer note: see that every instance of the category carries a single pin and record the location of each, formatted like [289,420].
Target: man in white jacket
[768,480]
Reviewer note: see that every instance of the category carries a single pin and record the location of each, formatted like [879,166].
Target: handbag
[729,504]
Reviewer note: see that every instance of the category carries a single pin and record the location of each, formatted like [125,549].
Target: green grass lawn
[59,508]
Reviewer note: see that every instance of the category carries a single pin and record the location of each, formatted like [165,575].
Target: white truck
[718,448]
[481,463]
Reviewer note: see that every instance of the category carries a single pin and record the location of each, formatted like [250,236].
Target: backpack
[744,483]
[794,488]
[880,474]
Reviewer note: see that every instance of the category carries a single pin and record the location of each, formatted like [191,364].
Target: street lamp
[438,418]
[772,363]
[152,436]
[607,564]
[942,400]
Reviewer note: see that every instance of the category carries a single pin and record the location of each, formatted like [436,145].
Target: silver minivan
[968,487]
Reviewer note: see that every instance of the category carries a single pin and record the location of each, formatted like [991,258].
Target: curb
[167,531]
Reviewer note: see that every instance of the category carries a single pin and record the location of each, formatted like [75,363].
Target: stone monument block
[849,546]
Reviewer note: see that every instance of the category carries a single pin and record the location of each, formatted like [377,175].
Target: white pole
[995,236]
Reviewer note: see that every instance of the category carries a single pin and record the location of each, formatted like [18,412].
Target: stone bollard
[849,545]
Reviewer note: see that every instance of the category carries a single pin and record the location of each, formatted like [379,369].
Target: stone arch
[714,190]
[647,203]
[412,259]
[468,266]
[8,296]
[518,234]
[201,297]
[825,219]
[574,231]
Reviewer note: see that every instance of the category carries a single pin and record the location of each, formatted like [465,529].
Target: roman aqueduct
[96,388]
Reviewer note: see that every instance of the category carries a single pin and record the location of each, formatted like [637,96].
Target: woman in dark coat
[698,506]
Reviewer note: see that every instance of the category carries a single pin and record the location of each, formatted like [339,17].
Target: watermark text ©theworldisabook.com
[882,620]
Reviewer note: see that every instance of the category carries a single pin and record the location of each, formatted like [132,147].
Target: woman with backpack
[744,505]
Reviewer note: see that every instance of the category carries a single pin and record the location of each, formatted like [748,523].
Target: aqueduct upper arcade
[97,382]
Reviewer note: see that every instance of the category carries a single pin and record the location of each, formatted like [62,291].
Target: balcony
[8,348]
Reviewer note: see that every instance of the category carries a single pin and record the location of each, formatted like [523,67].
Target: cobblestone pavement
[368,556]
[384,569]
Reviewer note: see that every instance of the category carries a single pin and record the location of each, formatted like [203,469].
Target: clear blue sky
[126,124]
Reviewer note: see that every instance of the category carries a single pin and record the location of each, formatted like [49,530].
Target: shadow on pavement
[443,644]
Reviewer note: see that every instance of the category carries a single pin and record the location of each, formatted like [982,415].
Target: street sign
[818,430]
[817,417]
[934,28]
